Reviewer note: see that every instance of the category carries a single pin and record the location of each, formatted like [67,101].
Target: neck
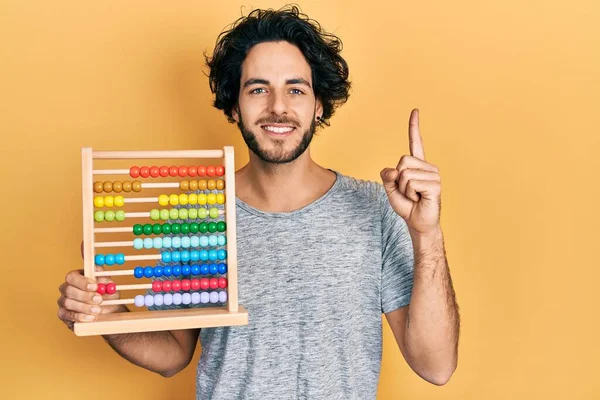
[282,187]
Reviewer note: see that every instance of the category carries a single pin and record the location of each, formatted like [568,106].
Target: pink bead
[111,288]
[157,286]
[101,288]
[204,283]
[176,285]
[214,283]
[195,284]
[186,284]
[222,283]
[166,286]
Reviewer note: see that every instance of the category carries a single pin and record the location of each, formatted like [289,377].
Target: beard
[279,155]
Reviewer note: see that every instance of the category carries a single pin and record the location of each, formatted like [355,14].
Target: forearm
[158,352]
[433,321]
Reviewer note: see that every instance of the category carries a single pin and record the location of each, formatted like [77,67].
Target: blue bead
[176,270]
[204,269]
[138,243]
[99,259]
[185,256]
[158,272]
[213,269]
[203,241]
[212,240]
[222,254]
[194,241]
[222,240]
[185,242]
[167,271]
[166,256]
[148,272]
[212,255]
[194,255]
[120,258]
[138,272]
[176,242]
[195,269]
[203,255]
[222,268]
[148,243]
[109,259]
[176,256]
[185,270]
[166,242]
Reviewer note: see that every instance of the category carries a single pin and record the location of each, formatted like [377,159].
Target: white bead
[139,300]
[176,242]
[212,240]
[223,296]
[204,297]
[214,297]
[194,241]
[168,299]
[186,298]
[195,298]
[158,300]
[167,242]
[148,243]
[177,299]
[185,242]
[149,300]
[203,241]
[221,240]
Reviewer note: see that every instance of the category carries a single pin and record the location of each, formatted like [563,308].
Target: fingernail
[91,286]
[89,317]
[96,310]
[97,299]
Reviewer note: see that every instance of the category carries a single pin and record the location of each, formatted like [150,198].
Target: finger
[389,178]
[75,278]
[429,190]
[414,136]
[407,161]
[407,175]
[69,317]
[79,307]
[84,296]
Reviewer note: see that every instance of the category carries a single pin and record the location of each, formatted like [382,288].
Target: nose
[277,103]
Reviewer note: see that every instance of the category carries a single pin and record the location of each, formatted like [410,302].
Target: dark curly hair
[321,50]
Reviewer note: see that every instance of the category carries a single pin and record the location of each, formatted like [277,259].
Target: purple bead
[139,300]
[204,297]
[168,299]
[158,299]
[186,298]
[223,297]
[195,298]
[149,300]
[177,299]
[214,297]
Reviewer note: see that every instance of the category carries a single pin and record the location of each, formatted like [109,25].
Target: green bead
[212,227]
[194,227]
[214,212]
[203,228]
[120,215]
[157,229]
[147,229]
[185,228]
[202,212]
[137,229]
[109,216]
[99,216]
[183,213]
[173,213]
[175,228]
[221,226]
[154,214]
[164,215]
[193,213]
[166,228]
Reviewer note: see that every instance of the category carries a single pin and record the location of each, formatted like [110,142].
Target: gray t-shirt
[315,282]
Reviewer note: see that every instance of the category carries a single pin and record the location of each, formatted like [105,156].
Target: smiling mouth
[278,129]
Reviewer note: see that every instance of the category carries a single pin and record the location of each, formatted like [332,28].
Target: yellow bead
[119,201]
[193,198]
[173,199]
[184,185]
[183,199]
[193,185]
[99,201]
[202,184]
[202,199]
[220,198]
[211,198]
[163,200]
[220,184]
[211,184]
[109,201]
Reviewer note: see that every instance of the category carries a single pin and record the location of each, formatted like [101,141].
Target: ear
[319,109]
[235,114]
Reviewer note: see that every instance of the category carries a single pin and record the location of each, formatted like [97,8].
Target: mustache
[278,120]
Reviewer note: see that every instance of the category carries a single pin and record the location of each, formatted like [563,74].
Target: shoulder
[361,189]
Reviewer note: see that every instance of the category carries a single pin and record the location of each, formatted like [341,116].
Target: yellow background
[509,95]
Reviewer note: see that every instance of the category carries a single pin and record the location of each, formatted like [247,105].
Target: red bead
[111,288]
[201,170]
[157,286]
[186,284]
[101,288]
[144,172]
[210,170]
[154,172]
[222,283]
[214,283]
[173,171]
[219,170]
[204,283]
[166,286]
[192,171]
[176,285]
[164,171]
[183,171]
[195,284]
[134,172]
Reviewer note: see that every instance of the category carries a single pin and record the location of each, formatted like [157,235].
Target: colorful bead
[148,243]
[176,285]
[144,172]
[136,186]
[164,214]
[163,200]
[149,300]
[98,187]
[176,242]
[173,171]
[194,255]
[185,270]
[222,283]
[202,213]
[185,228]
[221,240]
[212,255]
[158,299]
[158,272]
[220,198]
[166,257]
[193,199]
[120,258]
[101,289]
[195,298]
[138,272]
[166,242]
[194,226]
[99,201]
[219,170]
[203,255]
[134,172]
[147,229]
[195,269]
[186,284]
[214,297]
[156,229]
[117,187]
[222,254]
[183,199]
[221,225]
[220,184]
[120,215]
[222,268]
[214,212]
[203,241]
[148,272]
[202,184]
[183,213]
[185,242]
[195,284]
[166,228]
[201,170]
[204,283]
[111,288]
[204,269]
[107,186]
[183,171]
[193,213]
[211,198]
[212,227]
[166,286]
[154,214]
[177,299]
[192,171]
[138,243]
[119,201]
[175,228]
[223,296]
[99,259]
[127,186]
[213,283]
[185,256]
[204,297]
[186,298]
[211,184]
[168,299]
[109,216]
[213,269]
[175,256]
[210,170]
[203,227]
[109,201]
[157,286]
[193,185]
[164,171]
[138,300]
[154,172]
[184,185]
[212,240]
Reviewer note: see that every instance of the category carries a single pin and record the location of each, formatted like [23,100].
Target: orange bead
[210,170]
[127,186]
[211,184]
[107,186]
[219,170]
[117,187]
[136,186]
[202,184]
[184,185]
[98,187]
[193,185]
[220,184]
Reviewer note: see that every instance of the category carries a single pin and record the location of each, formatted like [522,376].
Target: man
[321,255]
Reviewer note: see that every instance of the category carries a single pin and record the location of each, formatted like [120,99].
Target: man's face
[276,104]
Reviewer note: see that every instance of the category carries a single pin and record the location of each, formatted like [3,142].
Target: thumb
[388,177]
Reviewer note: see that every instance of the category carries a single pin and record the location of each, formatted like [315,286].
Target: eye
[297,91]
[256,90]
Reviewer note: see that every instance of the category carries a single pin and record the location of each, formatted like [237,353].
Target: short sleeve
[397,272]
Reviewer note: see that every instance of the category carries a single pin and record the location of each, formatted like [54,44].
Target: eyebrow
[294,81]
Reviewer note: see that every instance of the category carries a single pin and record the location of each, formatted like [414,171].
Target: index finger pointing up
[414,136]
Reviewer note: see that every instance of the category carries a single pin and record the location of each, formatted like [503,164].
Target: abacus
[198,276]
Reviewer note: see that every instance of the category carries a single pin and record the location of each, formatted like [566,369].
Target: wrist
[430,240]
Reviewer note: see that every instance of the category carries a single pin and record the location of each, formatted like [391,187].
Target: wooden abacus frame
[161,320]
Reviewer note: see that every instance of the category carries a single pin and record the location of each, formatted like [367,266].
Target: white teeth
[277,129]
